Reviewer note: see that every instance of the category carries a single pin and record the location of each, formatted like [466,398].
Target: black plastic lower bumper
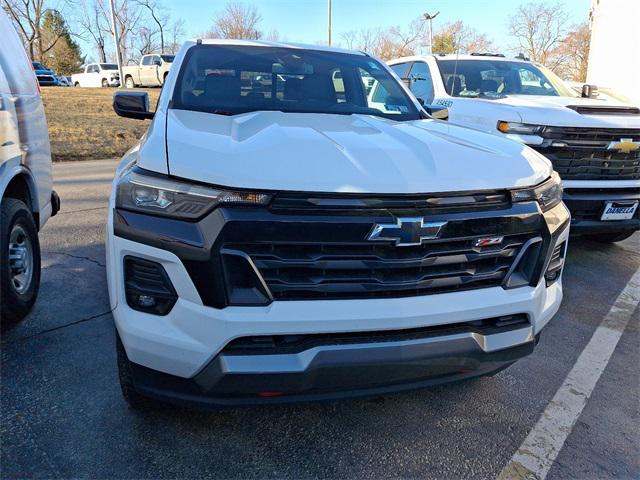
[356,371]
[587,206]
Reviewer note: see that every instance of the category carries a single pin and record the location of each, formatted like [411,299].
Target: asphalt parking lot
[62,414]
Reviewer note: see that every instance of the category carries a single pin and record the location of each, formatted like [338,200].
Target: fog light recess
[148,287]
[554,270]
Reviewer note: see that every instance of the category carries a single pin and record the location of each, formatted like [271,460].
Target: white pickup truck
[97,75]
[277,236]
[150,72]
[593,143]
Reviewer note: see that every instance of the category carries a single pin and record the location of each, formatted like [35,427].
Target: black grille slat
[327,263]
[367,270]
[585,155]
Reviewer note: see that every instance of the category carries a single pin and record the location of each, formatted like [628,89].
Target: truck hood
[555,111]
[343,153]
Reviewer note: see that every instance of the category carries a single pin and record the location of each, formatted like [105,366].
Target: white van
[26,196]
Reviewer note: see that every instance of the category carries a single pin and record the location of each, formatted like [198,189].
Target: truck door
[93,76]
[149,70]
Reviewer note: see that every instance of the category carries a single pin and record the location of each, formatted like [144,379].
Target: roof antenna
[455,69]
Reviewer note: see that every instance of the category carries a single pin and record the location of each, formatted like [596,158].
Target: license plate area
[624,210]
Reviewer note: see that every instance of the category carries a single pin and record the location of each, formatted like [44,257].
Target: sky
[305,21]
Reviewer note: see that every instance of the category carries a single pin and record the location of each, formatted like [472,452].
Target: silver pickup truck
[150,72]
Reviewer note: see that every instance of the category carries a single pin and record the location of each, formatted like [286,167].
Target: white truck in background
[97,75]
[150,72]
[592,142]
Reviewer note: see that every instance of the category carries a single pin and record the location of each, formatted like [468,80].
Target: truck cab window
[421,82]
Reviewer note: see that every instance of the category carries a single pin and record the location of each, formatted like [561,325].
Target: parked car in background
[152,71]
[45,77]
[277,237]
[64,81]
[593,143]
[97,75]
[26,196]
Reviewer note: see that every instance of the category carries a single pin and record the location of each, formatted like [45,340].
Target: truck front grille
[294,271]
[583,154]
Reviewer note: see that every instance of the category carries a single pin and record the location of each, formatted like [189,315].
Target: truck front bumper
[587,206]
[340,370]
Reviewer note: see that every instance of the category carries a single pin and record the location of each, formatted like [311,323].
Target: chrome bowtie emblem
[406,232]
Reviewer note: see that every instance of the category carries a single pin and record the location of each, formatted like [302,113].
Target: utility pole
[429,17]
[329,23]
[117,40]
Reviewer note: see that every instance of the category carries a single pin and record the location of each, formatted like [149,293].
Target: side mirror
[157,63]
[132,105]
[589,91]
[420,101]
[437,111]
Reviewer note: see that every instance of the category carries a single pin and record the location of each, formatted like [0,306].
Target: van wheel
[611,237]
[134,399]
[77,84]
[128,82]
[19,260]
[105,84]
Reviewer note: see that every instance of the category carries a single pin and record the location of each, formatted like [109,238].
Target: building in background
[614,56]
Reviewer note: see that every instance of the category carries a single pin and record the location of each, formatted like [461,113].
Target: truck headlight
[156,194]
[548,194]
[519,128]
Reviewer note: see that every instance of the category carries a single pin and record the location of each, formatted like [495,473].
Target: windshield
[108,66]
[232,79]
[38,66]
[168,58]
[497,78]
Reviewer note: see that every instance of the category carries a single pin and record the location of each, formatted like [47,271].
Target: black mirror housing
[132,105]
[437,111]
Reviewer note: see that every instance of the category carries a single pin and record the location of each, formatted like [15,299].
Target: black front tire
[16,302]
[134,399]
[611,237]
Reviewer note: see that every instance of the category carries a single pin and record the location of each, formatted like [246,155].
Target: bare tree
[146,41]
[176,33]
[538,28]
[365,40]
[128,15]
[155,10]
[237,20]
[28,17]
[390,42]
[572,54]
[94,25]
[456,37]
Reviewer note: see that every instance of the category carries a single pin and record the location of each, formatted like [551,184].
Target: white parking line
[536,455]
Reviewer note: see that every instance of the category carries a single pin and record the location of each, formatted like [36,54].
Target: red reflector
[269,394]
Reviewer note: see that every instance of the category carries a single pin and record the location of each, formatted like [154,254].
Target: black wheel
[611,237]
[19,260]
[105,84]
[134,399]
[77,84]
